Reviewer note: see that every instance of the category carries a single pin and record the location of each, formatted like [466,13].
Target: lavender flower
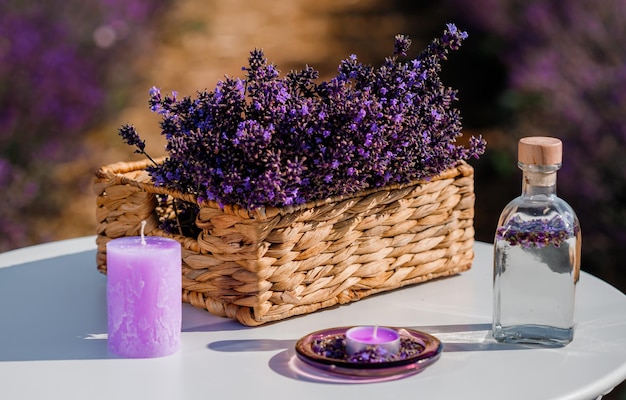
[273,141]
[334,347]
[131,137]
[536,232]
[402,45]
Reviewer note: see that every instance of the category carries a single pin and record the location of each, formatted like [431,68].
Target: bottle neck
[539,180]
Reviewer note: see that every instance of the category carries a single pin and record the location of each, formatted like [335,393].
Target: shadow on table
[468,337]
[455,338]
[52,310]
[198,320]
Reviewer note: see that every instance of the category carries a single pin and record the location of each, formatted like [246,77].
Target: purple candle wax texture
[144,285]
[360,337]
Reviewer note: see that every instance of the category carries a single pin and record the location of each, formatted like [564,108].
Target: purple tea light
[360,338]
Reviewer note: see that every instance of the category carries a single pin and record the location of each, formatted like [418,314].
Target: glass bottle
[536,254]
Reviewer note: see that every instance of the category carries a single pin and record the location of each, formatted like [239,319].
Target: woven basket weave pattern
[276,263]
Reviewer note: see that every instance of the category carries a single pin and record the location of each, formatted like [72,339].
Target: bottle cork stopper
[540,150]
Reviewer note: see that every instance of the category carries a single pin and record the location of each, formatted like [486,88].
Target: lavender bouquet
[268,140]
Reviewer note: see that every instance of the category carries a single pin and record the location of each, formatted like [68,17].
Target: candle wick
[143,228]
[375,333]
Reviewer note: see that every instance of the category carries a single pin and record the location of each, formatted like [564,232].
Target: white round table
[53,342]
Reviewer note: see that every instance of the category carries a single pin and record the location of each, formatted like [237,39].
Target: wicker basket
[276,263]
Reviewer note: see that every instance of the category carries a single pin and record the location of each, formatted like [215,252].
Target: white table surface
[53,342]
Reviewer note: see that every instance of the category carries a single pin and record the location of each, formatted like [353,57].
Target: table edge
[43,251]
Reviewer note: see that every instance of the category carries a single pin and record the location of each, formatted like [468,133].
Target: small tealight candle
[360,337]
[144,301]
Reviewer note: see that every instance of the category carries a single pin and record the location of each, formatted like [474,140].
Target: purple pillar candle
[144,296]
[360,338]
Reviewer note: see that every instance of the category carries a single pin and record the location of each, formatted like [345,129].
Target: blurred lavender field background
[72,72]
[64,68]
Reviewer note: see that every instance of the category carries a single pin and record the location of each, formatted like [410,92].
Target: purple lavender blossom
[131,137]
[272,141]
[536,232]
[402,45]
[334,347]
